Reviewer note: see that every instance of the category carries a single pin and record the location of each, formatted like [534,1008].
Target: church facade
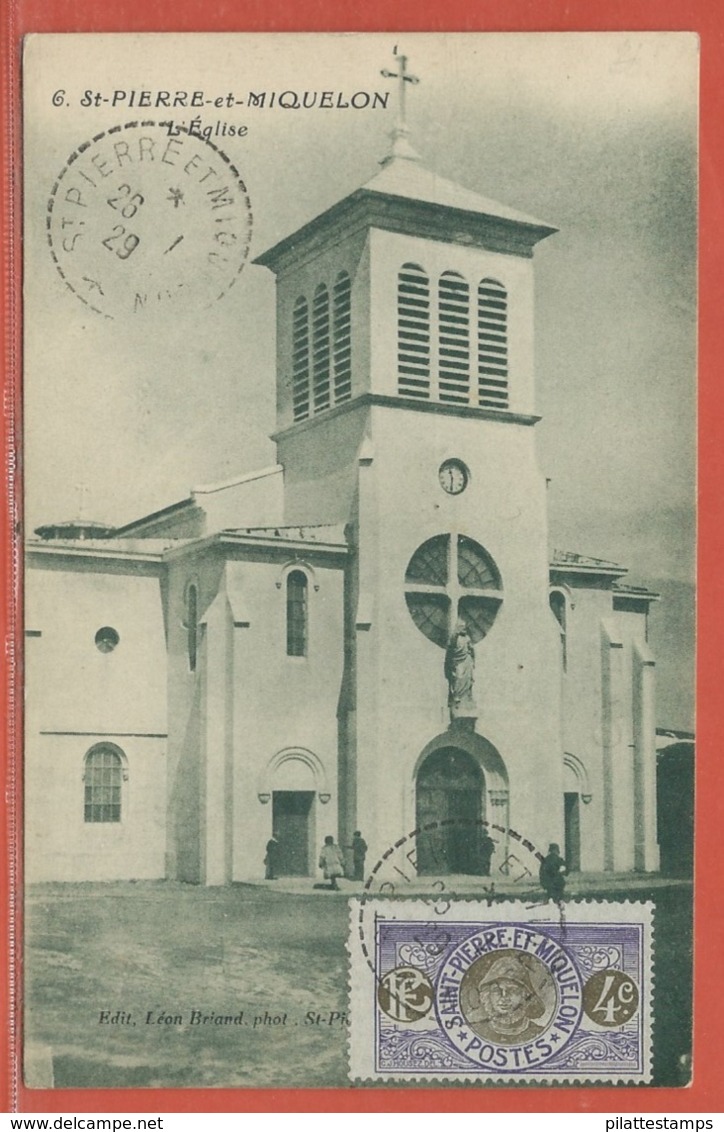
[370,634]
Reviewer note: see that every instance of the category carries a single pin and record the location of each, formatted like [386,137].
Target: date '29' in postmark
[507,993]
[140,218]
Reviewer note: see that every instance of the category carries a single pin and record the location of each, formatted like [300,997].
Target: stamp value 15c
[506,993]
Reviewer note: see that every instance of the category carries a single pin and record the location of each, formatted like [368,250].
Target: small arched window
[320,349]
[492,344]
[297,613]
[557,601]
[413,331]
[454,338]
[300,359]
[103,779]
[191,622]
[342,330]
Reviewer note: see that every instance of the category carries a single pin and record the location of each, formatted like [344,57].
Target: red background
[703,16]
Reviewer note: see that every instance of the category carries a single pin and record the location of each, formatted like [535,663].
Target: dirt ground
[115,971]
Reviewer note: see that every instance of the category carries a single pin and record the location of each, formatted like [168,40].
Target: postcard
[359,392]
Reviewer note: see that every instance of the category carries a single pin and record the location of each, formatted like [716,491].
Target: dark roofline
[154,516]
[367,208]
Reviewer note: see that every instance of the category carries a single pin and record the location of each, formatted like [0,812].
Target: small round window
[106,639]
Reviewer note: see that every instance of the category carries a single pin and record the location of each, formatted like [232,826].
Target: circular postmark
[405,994]
[140,218]
[515,866]
[509,996]
[610,998]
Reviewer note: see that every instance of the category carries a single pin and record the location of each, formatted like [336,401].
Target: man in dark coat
[487,848]
[551,873]
[272,857]
[359,852]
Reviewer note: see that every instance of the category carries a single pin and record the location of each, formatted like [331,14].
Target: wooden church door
[449,793]
[292,821]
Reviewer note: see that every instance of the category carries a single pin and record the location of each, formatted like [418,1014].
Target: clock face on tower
[453,476]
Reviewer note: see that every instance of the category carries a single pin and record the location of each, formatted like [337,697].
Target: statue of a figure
[460,673]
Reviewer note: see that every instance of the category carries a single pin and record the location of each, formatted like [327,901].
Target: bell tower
[410,292]
[406,412]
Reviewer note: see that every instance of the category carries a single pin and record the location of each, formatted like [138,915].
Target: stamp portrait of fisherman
[502,1005]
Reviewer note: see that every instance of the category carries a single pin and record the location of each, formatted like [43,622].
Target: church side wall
[608,730]
[60,845]
[250,720]
[320,468]
[256,501]
[285,731]
[187,713]
[582,715]
[80,699]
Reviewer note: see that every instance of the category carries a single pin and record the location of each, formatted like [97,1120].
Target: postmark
[141,219]
[509,993]
[509,867]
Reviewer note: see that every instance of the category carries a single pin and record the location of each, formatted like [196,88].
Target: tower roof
[402,177]
[406,197]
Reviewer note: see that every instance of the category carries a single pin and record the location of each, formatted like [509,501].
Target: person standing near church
[359,852]
[272,857]
[487,848]
[552,873]
[331,862]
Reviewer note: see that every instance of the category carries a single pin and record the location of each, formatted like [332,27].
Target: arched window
[342,329]
[413,331]
[300,359]
[557,601]
[320,349]
[102,779]
[191,622]
[454,338]
[297,614]
[492,345]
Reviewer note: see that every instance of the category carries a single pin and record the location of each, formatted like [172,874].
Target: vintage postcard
[359,386]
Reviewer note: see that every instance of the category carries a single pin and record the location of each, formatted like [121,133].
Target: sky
[594,133]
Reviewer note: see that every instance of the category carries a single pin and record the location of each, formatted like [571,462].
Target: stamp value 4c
[507,993]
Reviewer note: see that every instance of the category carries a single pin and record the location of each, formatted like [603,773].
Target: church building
[370,634]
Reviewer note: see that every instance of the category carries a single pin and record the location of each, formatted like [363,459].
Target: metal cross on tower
[400,134]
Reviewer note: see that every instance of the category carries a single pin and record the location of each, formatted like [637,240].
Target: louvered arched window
[453,338]
[320,349]
[413,331]
[300,359]
[492,345]
[342,333]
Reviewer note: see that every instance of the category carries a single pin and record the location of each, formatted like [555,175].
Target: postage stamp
[514,992]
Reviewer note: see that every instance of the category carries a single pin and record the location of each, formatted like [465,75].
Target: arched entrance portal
[450,795]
